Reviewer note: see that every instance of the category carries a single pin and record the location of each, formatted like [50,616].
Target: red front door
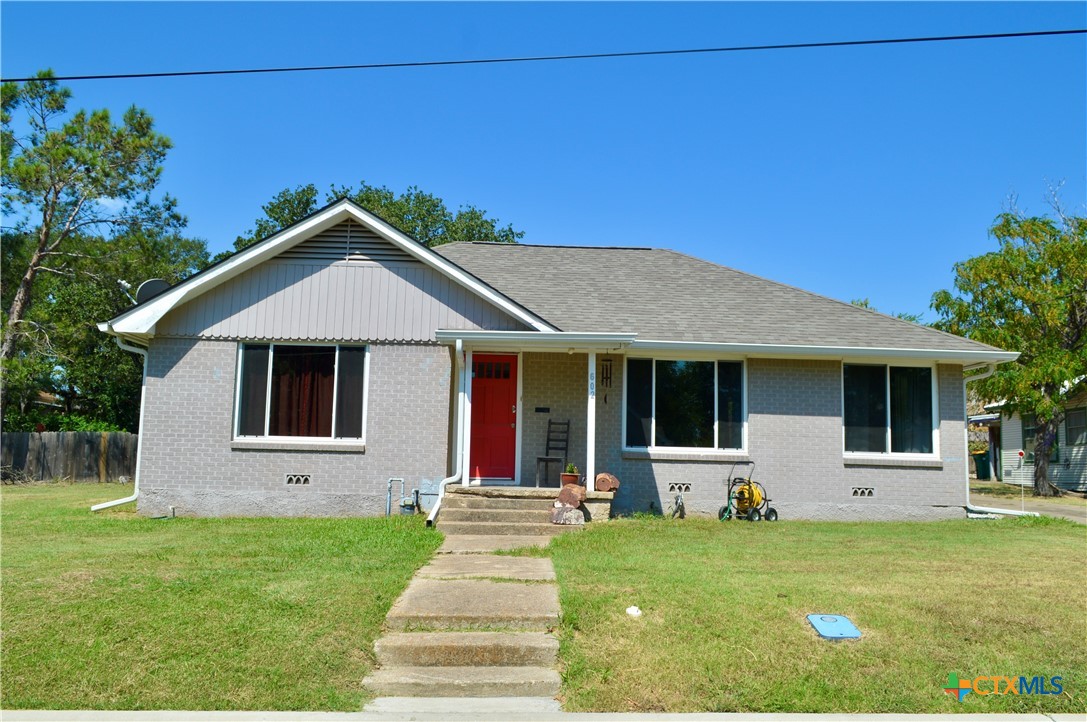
[494,417]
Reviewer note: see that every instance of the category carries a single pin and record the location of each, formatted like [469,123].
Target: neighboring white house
[1068,461]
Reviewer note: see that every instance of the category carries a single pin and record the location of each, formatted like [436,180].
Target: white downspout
[966,449]
[458,440]
[139,435]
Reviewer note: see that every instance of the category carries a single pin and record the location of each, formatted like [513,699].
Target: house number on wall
[592,384]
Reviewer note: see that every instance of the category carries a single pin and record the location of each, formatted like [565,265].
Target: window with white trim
[684,404]
[1076,426]
[291,390]
[888,409]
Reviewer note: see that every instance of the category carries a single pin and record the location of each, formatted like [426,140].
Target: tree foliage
[79,217]
[1030,296]
[421,215]
[902,315]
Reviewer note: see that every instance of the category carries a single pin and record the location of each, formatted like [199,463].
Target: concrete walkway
[495,710]
[1070,507]
[472,625]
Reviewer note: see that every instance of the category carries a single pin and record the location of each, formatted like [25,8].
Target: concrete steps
[499,528]
[465,682]
[467,649]
[475,604]
[506,516]
[510,510]
[457,632]
[468,501]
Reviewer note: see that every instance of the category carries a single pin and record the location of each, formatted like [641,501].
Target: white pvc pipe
[458,440]
[139,436]
[966,458]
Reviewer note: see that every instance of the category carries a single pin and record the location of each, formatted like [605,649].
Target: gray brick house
[299,375]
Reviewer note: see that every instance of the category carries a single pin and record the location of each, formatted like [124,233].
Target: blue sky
[851,172]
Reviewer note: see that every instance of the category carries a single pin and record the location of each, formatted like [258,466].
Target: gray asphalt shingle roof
[668,296]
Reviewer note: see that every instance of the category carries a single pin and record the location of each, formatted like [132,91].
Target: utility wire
[543,58]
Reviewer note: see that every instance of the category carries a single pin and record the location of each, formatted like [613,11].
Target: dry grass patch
[724,606]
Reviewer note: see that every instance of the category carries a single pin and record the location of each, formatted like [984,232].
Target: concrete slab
[474,709]
[450,604]
[484,543]
[511,707]
[464,649]
[466,566]
[464,681]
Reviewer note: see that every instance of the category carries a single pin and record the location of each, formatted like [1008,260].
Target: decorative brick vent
[679,488]
[298,479]
[863,491]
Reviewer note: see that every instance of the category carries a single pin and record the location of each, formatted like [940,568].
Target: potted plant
[570,475]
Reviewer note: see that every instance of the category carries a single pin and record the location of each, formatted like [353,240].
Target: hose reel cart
[747,498]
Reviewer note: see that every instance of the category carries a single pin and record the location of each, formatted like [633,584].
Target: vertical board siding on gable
[367,290]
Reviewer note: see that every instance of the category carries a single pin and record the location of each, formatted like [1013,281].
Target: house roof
[664,295]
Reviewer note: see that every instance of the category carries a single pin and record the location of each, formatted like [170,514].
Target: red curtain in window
[302,383]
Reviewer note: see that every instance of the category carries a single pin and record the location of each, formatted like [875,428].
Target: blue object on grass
[834,626]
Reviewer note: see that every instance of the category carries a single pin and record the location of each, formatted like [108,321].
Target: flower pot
[569,478]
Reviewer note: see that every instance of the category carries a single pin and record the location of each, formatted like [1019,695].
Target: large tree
[421,215]
[1029,295]
[79,218]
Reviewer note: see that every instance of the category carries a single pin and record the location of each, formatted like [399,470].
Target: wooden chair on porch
[555,451]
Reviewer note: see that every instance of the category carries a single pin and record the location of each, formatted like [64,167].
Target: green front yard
[724,605]
[117,611]
[114,611]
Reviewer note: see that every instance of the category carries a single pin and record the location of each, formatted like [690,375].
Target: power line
[545,58]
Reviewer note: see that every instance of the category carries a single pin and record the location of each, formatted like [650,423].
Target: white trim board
[140,321]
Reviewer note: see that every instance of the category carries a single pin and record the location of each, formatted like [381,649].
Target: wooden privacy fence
[74,455]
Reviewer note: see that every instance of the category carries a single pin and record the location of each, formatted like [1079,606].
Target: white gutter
[966,449]
[458,440]
[571,340]
[794,350]
[139,436]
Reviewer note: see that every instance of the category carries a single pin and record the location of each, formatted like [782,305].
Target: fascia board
[535,339]
[822,352]
[142,319]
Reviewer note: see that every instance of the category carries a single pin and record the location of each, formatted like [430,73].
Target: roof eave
[549,340]
[966,357]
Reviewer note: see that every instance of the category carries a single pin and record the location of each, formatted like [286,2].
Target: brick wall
[794,437]
[188,461]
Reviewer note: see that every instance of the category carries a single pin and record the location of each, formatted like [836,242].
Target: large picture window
[887,408]
[308,391]
[684,404]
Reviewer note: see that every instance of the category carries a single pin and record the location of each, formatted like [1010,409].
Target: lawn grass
[116,611]
[724,605]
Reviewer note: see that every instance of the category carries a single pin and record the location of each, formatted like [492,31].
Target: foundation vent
[863,491]
[298,479]
[679,488]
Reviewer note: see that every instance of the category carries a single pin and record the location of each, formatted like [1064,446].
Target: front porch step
[468,501]
[473,605]
[499,528]
[507,516]
[464,682]
[520,492]
[467,649]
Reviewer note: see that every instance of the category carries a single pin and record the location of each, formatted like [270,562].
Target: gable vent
[348,241]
